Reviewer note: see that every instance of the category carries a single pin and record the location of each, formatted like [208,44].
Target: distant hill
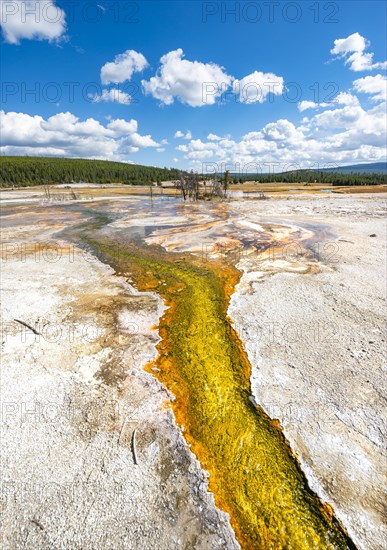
[29,171]
[374,168]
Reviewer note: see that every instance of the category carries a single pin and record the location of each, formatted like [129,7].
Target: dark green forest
[317,176]
[28,171]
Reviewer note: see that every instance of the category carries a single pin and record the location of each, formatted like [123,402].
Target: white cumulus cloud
[121,126]
[123,67]
[304,105]
[255,87]
[113,95]
[343,133]
[343,98]
[182,135]
[191,82]
[65,135]
[352,49]
[376,86]
[141,141]
[31,19]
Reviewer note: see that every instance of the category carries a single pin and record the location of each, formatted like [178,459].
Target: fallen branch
[27,326]
[134,447]
[36,522]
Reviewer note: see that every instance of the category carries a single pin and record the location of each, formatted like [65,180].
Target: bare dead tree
[181,184]
[189,185]
[47,192]
[217,188]
[226,181]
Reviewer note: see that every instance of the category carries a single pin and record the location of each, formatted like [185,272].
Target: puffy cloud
[198,145]
[31,19]
[376,86]
[213,137]
[141,141]
[282,131]
[344,133]
[182,148]
[198,150]
[343,98]
[191,82]
[197,84]
[65,135]
[113,95]
[180,134]
[304,105]
[123,66]
[353,43]
[255,87]
[338,118]
[67,123]
[160,149]
[121,126]
[352,49]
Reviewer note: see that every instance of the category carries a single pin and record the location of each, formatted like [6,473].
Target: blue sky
[132,108]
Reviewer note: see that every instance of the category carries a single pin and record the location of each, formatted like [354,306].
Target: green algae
[253,475]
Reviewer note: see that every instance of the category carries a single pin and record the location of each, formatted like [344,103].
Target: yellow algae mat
[253,475]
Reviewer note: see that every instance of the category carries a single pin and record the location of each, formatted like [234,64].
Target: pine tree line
[317,176]
[29,171]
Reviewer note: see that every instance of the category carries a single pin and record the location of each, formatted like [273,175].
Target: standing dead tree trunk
[217,188]
[47,192]
[189,186]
